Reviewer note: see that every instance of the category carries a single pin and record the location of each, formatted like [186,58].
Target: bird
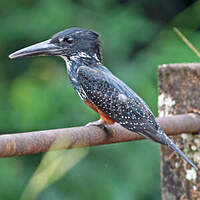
[102,91]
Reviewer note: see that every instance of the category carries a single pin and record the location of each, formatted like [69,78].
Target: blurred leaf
[53,167]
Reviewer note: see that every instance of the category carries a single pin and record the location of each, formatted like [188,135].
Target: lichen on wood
[179,93]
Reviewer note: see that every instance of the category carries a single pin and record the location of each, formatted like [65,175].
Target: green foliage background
[35,93]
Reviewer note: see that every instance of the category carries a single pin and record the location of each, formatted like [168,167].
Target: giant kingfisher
[98,87]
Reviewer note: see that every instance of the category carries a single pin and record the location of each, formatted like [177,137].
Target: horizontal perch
[42,141]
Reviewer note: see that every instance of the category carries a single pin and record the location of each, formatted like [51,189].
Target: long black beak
[40,49]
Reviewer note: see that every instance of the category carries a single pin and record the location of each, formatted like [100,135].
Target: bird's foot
[98,123]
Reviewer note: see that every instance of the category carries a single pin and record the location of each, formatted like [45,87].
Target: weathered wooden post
[179,92]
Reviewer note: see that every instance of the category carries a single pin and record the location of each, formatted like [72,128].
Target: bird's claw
[98,123]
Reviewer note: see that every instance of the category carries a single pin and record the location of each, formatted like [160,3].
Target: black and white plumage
[118,101]
[98,87]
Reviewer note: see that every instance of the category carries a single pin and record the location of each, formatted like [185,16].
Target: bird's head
[70,43]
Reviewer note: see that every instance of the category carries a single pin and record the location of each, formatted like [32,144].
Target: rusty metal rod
[41,141]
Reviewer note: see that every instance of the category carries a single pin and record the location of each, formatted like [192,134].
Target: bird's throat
[81,59]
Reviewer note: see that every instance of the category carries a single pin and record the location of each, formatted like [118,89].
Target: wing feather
[118,101]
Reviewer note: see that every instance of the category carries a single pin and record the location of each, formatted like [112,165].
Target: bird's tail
[177,150]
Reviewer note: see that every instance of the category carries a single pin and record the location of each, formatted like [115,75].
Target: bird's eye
[68,40]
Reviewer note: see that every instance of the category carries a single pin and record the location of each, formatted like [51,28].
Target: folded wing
[119,102]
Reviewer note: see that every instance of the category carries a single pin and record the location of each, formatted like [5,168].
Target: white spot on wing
[123,98]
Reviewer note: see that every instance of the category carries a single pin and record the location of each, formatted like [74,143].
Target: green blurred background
[35,93]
